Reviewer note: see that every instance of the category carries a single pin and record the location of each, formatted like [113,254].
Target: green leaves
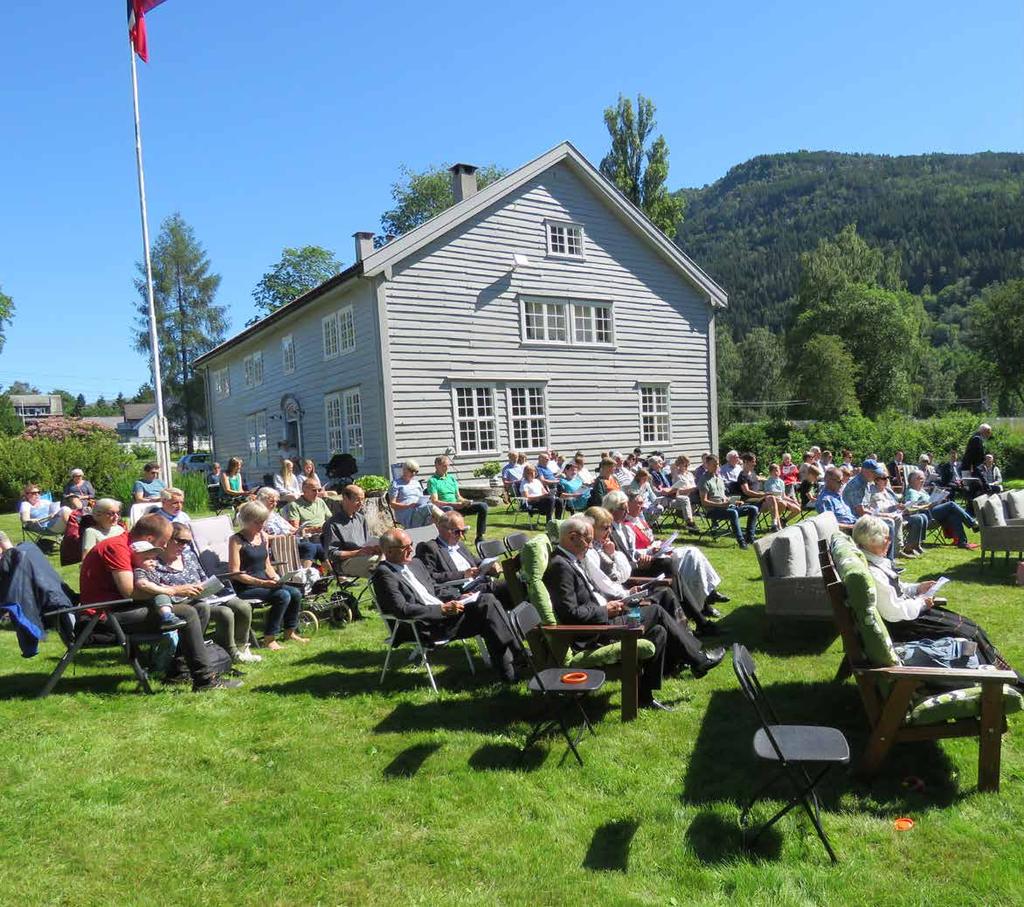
[6,315]
[298,271]
[996,332]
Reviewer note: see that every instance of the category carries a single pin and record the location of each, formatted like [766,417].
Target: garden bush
[197,498]
[48,461]
[143,452]
[372,484]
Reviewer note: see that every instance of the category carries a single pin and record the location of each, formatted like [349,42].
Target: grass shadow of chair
[27,686]
[609,846]
[777,637]
[346,658]
[1001,574]
[715,839]
[723,768]
[410,760]
[505,757]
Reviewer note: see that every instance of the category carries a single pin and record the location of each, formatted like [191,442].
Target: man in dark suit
[577,601]
[404,588]
[448,560]
[974,455]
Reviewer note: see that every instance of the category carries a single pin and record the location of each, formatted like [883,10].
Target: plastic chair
[790,747]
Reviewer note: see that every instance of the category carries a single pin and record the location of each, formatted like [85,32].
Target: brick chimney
[463,181]
[364,245]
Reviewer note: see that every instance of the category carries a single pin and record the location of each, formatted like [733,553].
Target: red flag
[137,10]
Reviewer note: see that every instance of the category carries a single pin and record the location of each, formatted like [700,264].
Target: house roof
[105,421]
[52,400]
[136,412]
[381,260]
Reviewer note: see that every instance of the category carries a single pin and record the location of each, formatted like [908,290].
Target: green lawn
[313,785]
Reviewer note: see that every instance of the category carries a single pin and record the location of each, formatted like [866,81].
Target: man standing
[974,456]
[403,588]
[443,489]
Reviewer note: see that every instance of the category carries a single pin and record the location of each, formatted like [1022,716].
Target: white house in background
[139,423]
[544,310]
[37,407]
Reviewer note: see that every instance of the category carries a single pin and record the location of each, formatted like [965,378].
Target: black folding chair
[791,747]
[548,683]
[514,541]
[491,548]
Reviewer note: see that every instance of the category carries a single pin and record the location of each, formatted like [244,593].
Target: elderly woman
[106,524]
[409,504]
[80,486]
[278,524]
[642,486]
[881,501]
[256,579]
[39,515]
[907,609]
[947,514]
[179,565]
[286,482]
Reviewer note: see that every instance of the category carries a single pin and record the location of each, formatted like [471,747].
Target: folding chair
[708,527]
[791,747]
[514,541]
[491,548]
[551,684]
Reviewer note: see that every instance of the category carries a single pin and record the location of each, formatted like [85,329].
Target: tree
[10,422]
[640,169]
[79,406]
[188,322]
[763,361]
[299,270]
[120,402]
[727,372]
[144,394]
[825,375]
[418,196]
[996,332]
[67,399]
[847,259]
[6,316]
[22,387]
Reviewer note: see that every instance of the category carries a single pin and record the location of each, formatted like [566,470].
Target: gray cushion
[810,536]
[788,554]
[825,524]
[992,512]
[1015,504]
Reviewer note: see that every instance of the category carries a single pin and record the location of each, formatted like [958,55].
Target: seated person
[931,474]
[642,486]
[830,499]
[404,589]
[171,502]
[571,490]
[545,471]
[213,479]
[308,514]
[749,485]
[255,578]
[810,479]
[277,524]
[576,601]
[443,489]
[408,503]
[857,488]
[581,470]
[604,482]
[881,501]
[537,497]
[286,483]
[105,523]
[148,488]
[730,472]
[907,609]
[679,493]
[897,467]
[622,473]
[790,473]
[37,515]
[79,485]
[107,575]
[512,474]
[992,475]
[947,514]
[717,505]
[950,475]
[309,472]
[701,472]
[694,579]
[448,560]
[776,486]
[159,597]
[178,567]
[346,539]
[232,489]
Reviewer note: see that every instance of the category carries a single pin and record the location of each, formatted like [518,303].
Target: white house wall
[454,315]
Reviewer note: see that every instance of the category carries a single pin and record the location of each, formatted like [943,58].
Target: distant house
[110,422]
[33,407]
[544,310]
[138,425]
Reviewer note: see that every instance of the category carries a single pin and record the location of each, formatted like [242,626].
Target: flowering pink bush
[61,428]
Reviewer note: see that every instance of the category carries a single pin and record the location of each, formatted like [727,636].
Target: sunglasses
[462,531]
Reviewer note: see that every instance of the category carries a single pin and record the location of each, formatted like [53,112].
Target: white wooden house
[544,310]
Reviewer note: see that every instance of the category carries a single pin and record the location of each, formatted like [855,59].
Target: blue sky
[269,124]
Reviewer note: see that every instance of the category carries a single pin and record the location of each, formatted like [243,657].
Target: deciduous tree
[825,375]
[762,363]
[6,315]
[996,332]
[299,270]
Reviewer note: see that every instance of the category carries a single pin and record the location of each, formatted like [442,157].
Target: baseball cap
[870,464]
[140,547]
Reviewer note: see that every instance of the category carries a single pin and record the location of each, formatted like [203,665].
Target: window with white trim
[253,367]
[339,332]
[256,431]
[343,418]
[654,413]
[347,329]
[221,383]
[527,417]
[575,322]
[545,321]
[592,323]
[476,427]
[287,354]
[565,239]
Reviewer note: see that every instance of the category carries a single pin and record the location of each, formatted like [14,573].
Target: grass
[314,785]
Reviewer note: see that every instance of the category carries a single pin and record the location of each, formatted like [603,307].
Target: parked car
[196,462]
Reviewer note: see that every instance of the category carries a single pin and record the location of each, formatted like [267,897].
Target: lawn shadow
[349,658]
[410,760]
[714,839]
[1000,574]
[609,847]
[723,768]
[504,757]
[774,636]
[27,686]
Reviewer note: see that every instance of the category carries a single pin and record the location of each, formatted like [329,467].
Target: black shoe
[716,598]
[711,611]
[742,543]
[654,705]
[171,622]
[177,680]
[711,660]
[215,682]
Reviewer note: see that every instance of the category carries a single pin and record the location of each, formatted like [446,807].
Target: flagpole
[163,452]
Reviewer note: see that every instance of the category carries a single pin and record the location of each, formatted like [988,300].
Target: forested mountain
[950,216]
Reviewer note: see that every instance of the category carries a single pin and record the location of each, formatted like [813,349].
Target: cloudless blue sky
[271,124]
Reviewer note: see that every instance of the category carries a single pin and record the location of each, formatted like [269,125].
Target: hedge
[882,436]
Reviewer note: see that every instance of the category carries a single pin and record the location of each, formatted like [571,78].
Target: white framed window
[256,431]
[592,323]
[343,418]
[528,418]
[221,383]
[567,322]
[565,239]
[545,321]
[287,354]
[253,366]
[654,414]
[339,332]
[476,426]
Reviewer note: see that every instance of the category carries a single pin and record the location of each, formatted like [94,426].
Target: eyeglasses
[461,531]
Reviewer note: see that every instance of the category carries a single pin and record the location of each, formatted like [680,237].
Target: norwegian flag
[137,10]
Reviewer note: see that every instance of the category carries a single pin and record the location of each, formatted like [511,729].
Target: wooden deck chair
[902,703]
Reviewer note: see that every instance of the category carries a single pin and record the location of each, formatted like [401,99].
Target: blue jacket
[29,589]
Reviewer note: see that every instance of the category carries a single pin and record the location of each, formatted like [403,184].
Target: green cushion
[852,568]
[934,708]
[533,558]
[609,655]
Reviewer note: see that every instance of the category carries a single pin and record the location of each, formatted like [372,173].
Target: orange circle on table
[574,677]
[903,824]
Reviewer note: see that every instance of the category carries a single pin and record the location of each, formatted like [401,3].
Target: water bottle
[634,619]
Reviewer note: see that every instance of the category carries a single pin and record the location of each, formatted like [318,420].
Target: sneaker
[910,552]
[171,621]
[245,656]
[969,546]
[215,682]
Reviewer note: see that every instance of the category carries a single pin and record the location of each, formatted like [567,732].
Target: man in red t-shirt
[106,575]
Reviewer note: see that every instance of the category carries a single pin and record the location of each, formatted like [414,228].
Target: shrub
[196,496]
[373,484]
[490,469]
[61,429]
[143,452]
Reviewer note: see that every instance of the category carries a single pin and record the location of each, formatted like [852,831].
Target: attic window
[565,239]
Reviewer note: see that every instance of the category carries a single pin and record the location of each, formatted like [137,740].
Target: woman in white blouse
[286,483]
